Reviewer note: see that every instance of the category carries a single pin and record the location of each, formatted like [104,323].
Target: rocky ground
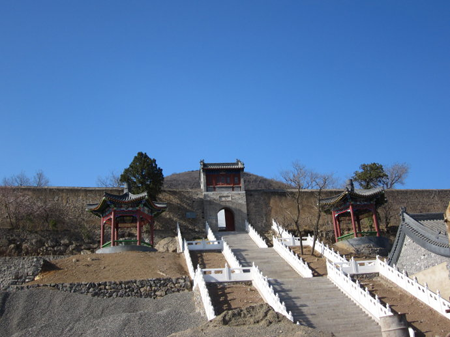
[48,312]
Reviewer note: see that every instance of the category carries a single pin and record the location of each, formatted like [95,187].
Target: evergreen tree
[143,175]
[370,176]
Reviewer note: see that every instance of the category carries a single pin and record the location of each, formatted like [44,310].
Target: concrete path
[315,302]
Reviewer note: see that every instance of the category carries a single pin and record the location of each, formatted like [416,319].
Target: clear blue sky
[85,85]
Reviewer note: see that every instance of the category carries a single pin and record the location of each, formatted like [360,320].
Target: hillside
[190,180]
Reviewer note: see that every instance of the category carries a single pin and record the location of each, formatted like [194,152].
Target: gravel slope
[46,312]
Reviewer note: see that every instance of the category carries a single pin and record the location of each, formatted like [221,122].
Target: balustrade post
[354,266]
[227,272]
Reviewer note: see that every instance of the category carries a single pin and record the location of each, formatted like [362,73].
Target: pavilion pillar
[375,220]
[333,215]
[151,232]
[353,221]
[138,229]
[358,221]
[102,233]
[113,227]
[338,224]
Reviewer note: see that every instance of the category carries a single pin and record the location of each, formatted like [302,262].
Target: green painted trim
[361,234]
[126,242]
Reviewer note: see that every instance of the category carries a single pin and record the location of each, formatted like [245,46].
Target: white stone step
[315,302]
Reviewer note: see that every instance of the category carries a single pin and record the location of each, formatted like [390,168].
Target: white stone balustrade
[200,284]
[235,273]
[280,230]
[229,256]
[255,235]
[268,294]
[205,245]
[187,256]
[296,262]
[209,233]
[412,286]
[353,290]
[180,247]
[289,240]
[228,274]
[354,267]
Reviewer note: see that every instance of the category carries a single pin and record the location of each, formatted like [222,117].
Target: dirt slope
[114,267]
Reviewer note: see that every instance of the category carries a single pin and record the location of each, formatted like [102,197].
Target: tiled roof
[220,166]
[123,199]
[428,230]
[375,194]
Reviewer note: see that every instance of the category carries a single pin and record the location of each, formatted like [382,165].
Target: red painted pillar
[335,225]
[353,221]
[375,220]
[113,227]
[338,222]
[358,221]
[102,233]
[138,229]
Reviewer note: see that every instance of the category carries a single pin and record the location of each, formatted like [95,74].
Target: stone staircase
[314,302]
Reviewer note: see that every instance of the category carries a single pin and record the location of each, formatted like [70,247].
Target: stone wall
[234,201]
[187,207]
[414,259]
[149,288]
[45,242]
[263,206]
[15,271]
[67,206]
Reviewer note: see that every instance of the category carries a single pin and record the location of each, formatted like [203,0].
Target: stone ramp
[314,302]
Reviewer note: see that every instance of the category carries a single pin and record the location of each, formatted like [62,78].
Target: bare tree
[15,206]
[320,182]
[396,174]
[40,179]
[111,180]
[299,178]
[21,179]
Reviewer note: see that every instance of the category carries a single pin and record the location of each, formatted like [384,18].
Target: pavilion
[126,211]
[354,205]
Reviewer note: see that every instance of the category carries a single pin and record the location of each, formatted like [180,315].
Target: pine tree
[370,176]
[143,175]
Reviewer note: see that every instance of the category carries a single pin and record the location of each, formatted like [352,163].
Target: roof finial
[349,185]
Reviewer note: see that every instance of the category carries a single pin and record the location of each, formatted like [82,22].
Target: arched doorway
[225,220]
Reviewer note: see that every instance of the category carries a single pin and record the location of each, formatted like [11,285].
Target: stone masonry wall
[187,207]
[263,206]
[216,201]
[15,271]
[414,258]
[149,288]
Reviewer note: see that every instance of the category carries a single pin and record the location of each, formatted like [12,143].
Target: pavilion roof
[220,166]
[373,195]
[428,230]
[126,199]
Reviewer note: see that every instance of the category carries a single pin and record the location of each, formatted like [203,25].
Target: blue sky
[85,85]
